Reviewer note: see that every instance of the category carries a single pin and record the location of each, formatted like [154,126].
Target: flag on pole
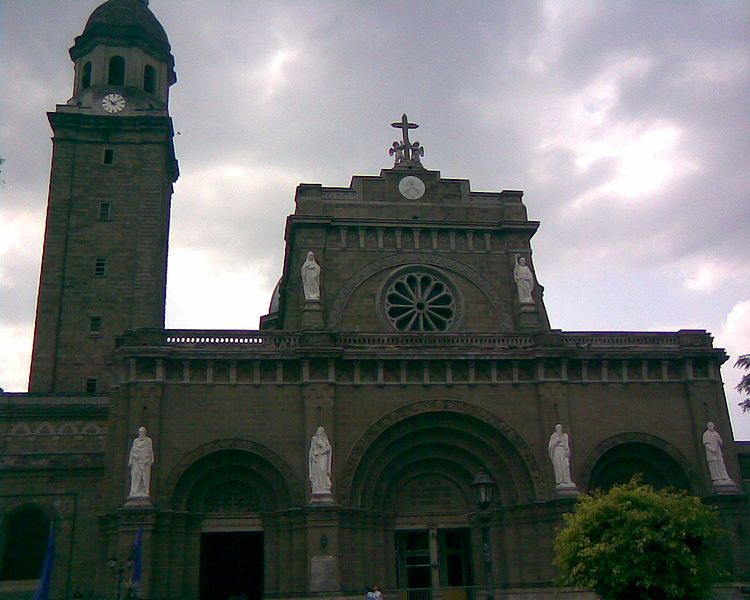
[137,561]
[42,590]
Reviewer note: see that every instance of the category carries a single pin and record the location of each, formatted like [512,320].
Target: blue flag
[42,590]
[137,560]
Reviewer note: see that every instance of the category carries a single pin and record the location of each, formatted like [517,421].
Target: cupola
[123,48]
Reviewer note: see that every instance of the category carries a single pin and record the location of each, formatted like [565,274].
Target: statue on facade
[397,152]
[713,444]
[416,151]
[524,279]
[140,460]
[319,462]
[311,278]
[559,454]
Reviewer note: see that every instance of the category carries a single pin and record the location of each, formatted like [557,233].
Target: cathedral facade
[406,365]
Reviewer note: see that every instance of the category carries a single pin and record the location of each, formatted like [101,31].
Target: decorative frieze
[408,358]
[435,239]
[415,370]
[28,437]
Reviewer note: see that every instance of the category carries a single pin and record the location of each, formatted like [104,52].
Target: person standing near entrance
[374,594]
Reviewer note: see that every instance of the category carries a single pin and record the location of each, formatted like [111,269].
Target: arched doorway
[25,536]
[227,489]
[417,464]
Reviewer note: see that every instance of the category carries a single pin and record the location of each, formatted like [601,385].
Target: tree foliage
[743,387]
[637,543]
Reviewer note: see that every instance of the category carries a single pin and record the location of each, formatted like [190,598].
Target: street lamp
[120,568]
[483,486]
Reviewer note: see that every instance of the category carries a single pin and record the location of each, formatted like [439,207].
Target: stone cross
[405,150]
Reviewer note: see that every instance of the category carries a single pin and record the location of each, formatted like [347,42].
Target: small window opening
[95,325]
[149,79]
[100,267]
[105,211]
[109,156]
[86,76]
[91,385]
[116,71]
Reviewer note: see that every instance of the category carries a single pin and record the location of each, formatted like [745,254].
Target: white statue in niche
[311,278]
[524,279]
[713,443]
[319,462]
[140,460]
[559,454]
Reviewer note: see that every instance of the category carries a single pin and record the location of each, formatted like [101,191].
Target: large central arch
[449,439]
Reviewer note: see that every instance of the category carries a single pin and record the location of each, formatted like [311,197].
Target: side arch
[25,531]
[223,462]
[502,312]
[451,436]
[618,458]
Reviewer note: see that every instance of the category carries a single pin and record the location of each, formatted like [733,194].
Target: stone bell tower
[113,166]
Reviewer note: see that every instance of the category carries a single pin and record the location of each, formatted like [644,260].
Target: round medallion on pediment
[411,187]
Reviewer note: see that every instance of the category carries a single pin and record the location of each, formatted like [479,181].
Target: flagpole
[137,554]
[42,590]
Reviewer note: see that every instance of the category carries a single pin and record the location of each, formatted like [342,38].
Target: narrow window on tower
[116,71]
[86,76]
[91,385]
[100,267]
[109,156]
[149,79]
[105,211]
[95,325]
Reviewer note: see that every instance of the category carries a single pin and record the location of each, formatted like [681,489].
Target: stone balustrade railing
[438,339]
[620,340]
[280,340]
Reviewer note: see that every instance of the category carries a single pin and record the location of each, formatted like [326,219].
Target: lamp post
[120,569]
[483,486]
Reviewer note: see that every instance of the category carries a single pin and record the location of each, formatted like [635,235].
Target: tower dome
[125,23]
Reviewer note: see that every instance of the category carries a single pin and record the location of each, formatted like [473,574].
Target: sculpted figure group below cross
[405,150]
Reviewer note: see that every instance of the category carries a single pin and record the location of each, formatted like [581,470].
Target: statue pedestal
[725,486]
[139,502]
[312,315]
[323,525]
[527,317]
[567,490]
[322,499]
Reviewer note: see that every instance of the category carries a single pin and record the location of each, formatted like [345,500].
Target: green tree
[743,387]
[637,543]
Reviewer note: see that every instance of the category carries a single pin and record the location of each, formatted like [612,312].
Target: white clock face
[113,103]
[411,187]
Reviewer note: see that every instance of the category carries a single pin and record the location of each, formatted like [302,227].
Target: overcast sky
[626,123]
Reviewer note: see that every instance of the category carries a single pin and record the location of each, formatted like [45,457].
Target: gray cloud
[508,94]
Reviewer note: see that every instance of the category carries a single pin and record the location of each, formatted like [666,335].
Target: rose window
[419,301]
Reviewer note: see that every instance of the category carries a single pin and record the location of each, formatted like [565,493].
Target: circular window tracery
[419,300]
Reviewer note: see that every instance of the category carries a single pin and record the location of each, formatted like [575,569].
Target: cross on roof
[405,126]
[406,151]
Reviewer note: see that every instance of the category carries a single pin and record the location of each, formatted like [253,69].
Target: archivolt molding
[437,405]
[285,472]
[640,438]
[502,312]
[20,503]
